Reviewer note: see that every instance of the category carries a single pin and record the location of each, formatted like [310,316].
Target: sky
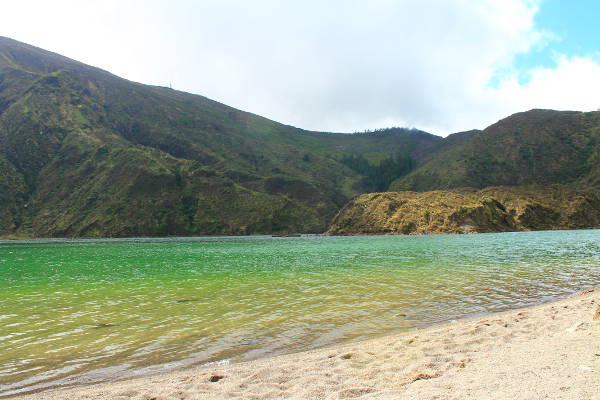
[442,66]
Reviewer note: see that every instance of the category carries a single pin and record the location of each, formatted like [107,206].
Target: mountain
[537,170]
[533,147]
[493,209]
[86,153]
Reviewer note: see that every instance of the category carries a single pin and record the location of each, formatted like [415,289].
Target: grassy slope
[85,153]
[534,147]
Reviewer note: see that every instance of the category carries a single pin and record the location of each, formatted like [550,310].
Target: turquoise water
[75,311]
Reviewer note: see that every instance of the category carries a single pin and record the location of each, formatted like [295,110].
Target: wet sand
[550,351]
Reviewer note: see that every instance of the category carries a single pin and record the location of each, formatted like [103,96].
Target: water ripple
[88,310]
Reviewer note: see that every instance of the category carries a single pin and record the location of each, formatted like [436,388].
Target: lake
[79,311]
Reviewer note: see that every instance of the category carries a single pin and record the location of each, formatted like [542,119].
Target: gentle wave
[89,310]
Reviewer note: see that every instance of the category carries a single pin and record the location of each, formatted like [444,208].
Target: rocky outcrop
[495,209]
[488,216]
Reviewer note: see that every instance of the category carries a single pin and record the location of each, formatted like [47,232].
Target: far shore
[549,351]
[291,235]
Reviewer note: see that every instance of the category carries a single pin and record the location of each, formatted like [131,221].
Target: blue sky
[443,66]
[573,29]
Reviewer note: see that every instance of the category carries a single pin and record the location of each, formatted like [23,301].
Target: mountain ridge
[86,153]
[532,147]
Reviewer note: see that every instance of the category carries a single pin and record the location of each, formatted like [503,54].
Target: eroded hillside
[494,209]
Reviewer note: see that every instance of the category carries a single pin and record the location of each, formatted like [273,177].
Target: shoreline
[550,350]
[10,238]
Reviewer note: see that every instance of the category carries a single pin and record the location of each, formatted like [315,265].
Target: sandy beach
[551,351]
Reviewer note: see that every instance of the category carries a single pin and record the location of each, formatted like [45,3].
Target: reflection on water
[89,310]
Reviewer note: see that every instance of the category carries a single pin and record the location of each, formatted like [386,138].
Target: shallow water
[74,311]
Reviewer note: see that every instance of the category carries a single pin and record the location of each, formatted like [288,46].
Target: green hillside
[86,153]
[534,147]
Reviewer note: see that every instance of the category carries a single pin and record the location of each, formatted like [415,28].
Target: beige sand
[545,352]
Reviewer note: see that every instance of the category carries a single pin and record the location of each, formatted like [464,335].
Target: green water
[91,310]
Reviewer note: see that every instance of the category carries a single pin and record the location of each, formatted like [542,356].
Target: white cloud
[341,65]
[573,84]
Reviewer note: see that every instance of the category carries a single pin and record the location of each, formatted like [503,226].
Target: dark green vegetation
[494,209]
[534,147]
[85,153]
[379,177]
